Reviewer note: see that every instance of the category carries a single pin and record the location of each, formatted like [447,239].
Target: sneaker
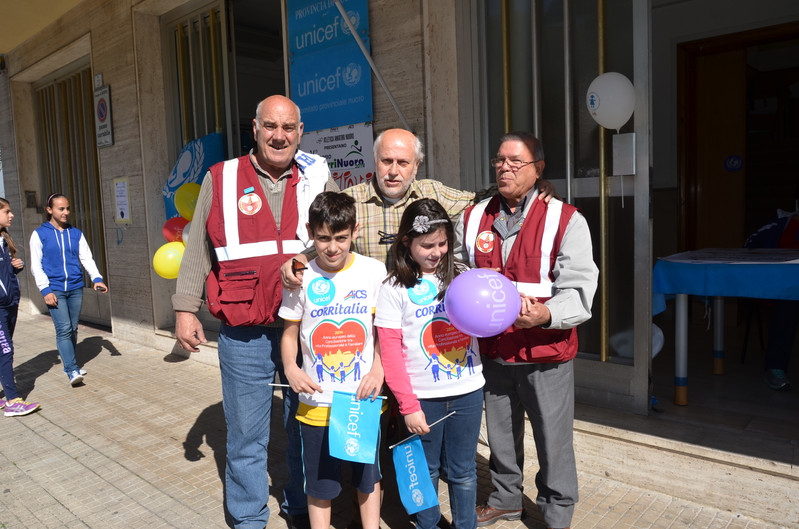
[776,379]
[75,378]
[3,403]
[82,372]
[19,407]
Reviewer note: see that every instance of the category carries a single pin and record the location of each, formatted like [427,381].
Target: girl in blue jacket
[57,252]
[10,266]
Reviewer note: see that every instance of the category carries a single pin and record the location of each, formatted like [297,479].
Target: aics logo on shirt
[355,294]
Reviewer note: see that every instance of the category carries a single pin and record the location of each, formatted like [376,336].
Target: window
[69,150]
[195,73]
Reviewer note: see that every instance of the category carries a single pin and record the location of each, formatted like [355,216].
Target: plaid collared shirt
[378,216]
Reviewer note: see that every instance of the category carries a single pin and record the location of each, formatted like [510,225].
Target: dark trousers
[781,334]
[8,321]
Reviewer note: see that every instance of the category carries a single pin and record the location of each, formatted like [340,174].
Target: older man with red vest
[546,250]
[250,218]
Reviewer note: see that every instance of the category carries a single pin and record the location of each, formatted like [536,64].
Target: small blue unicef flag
[193,162]
[354,426]
[413,479]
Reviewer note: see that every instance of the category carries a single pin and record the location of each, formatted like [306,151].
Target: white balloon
[186,229]
[611,100]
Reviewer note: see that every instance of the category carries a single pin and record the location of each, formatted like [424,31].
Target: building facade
[461,72]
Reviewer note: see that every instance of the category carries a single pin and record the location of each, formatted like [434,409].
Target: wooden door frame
[687,55]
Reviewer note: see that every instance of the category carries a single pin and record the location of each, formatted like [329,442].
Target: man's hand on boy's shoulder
[292,280]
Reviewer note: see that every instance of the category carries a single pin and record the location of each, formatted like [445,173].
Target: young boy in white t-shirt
[332,316]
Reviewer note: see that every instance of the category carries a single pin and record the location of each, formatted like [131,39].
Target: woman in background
[58,250]
[10,266]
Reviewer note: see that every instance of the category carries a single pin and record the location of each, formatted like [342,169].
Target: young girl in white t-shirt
[431,367]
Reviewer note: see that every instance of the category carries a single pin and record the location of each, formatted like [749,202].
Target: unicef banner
[329,76]
[348,151]
[332,87]
[413,479]
[354,426]
[193,162]
[314,25]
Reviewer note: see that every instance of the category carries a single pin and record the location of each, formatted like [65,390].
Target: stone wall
[123,42]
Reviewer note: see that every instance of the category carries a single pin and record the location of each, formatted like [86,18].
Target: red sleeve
[394,368]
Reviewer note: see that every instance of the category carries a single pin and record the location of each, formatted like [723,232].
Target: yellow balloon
[166,261]
[186,199]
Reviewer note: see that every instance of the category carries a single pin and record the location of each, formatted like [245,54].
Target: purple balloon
[482,303]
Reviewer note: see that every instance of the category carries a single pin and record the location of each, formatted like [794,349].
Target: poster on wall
[348,151]
[122,200]
[332,87]
[329,77]
[314,25]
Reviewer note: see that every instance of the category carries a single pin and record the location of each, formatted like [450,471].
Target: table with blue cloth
[718,273]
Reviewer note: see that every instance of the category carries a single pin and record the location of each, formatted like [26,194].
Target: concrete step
[752,473]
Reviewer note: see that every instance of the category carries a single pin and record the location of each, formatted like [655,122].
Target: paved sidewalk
[141,445]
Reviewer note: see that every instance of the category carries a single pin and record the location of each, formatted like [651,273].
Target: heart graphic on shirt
[340,345]
[442,339]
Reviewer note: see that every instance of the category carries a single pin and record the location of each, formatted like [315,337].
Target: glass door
[539,59]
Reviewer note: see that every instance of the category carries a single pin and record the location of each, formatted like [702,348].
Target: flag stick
[414,435]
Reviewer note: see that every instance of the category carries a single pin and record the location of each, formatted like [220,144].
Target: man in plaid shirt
[381,200]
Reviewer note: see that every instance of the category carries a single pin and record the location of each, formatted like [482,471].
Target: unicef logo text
[321,291]
[352,74]
[423,293]
[354,17]
[352,446]
[417,496]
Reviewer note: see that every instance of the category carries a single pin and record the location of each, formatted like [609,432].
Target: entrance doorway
[738,138]
[738,111]
[259,62]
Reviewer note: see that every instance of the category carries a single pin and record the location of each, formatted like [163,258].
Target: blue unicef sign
[332,87]
[314,25]
[330,79]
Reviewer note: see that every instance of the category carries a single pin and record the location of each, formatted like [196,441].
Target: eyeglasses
[297,266]
[386,238]
[514,165]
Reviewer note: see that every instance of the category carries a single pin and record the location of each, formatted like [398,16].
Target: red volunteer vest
[530,263]
[244,286]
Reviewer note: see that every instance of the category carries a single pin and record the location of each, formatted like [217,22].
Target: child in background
[58,250]
[10,266]
[431,367]
[334,306]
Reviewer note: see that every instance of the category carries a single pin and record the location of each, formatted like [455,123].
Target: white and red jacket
[244,286]
[529,265]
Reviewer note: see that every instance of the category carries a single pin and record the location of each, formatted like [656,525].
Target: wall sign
[348,151]
[122,200]
[103,126]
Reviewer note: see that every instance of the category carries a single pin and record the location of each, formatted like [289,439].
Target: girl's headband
[422,223]
[50,198]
